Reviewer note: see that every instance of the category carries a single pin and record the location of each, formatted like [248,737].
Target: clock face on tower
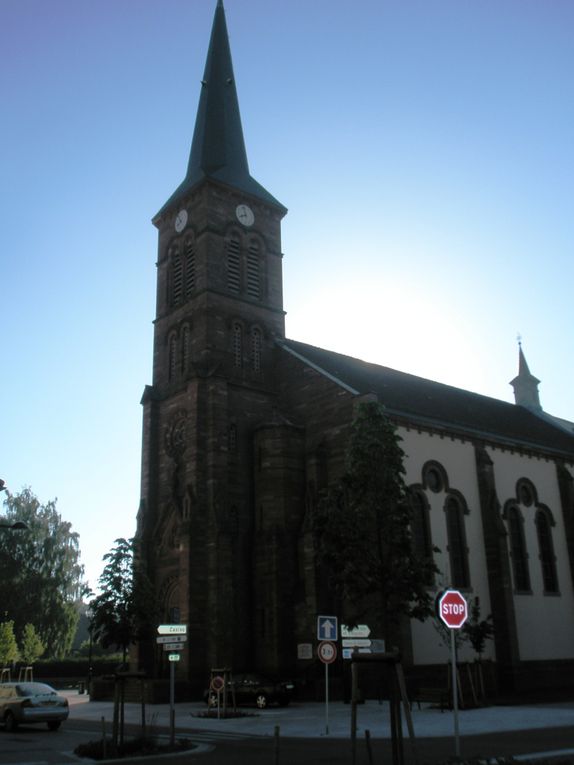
[245,215]
[181,221]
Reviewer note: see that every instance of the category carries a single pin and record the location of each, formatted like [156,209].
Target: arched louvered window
[172,360]
[237,345]
[546,551]
[457,549]
[256,349]
[189,268]
[253,270]
[420,528]
[518,552]
[185,349]
[177,278]
[233,266]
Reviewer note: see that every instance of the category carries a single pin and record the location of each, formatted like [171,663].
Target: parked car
[31,703]
[254,689]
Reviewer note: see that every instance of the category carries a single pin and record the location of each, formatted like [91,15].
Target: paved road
[530,730]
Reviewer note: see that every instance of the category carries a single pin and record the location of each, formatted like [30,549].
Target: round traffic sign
[327,651]
[217,683]
[452,609]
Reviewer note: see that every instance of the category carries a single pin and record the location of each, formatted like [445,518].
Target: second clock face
[245,215]
[181,220]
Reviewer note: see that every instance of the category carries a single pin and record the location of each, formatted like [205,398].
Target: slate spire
[218,149]
[526,385]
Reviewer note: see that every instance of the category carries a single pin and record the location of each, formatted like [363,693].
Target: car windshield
[34,689]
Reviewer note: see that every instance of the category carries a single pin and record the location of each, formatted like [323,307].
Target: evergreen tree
[41,574]
[363,529]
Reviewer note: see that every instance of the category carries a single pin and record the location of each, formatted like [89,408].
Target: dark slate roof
[218,149]
[434,404]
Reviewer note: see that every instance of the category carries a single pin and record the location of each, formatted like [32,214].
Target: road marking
[543,755]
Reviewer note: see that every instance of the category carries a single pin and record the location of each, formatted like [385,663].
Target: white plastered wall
[545,623]
[458,459]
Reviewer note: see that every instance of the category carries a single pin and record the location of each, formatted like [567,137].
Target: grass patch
[137,747]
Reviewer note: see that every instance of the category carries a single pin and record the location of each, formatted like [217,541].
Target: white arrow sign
[171,639]
[360,631]
[172,629]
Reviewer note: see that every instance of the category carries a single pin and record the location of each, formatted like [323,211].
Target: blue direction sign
[327,628]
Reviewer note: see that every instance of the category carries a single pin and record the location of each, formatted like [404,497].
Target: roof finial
[519,338]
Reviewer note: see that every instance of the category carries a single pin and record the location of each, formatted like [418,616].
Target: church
[243,429]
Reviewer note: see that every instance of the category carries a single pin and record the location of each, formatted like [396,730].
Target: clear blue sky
[424,150]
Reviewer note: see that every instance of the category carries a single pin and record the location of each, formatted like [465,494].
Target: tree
[31,647]
[125,605]
[8,644]
[41,574]
[363,530]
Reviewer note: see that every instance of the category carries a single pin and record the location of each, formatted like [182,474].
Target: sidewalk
[308,719]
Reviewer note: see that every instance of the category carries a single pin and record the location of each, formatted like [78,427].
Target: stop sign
[452,609]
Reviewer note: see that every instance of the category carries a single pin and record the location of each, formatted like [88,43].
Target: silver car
[31,703]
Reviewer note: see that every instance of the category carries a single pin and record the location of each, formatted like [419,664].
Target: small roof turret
[526,385]
[218,149]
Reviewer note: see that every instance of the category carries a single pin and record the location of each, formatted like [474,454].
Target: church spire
[218,149]
[525,385]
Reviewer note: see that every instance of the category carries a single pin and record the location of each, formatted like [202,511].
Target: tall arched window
[457,549]
[253,267]
[189,267]
[172,353]
[256,349]
[518,552]
[546,549]
[237,345]
[420,527]
[233,265]
[185,342]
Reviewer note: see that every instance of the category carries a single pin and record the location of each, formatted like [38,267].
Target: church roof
[218,149]
[434,404]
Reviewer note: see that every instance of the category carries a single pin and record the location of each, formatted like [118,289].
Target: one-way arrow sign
[327,628]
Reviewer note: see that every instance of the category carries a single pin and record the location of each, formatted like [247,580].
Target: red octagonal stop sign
[452,609]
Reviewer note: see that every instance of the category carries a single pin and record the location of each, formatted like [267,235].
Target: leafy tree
[8,644]
[476,630]
[41,574]
[125,605]
[31,647]
[364,534]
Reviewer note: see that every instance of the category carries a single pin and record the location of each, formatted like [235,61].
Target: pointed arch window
[456,536]
[253,270]
[172,356]
[233,266]
[543,522]
[256,350]
[237,345]
[185,348]
[189,268]
[518,552]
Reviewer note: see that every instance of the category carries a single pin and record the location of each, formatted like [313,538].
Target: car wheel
[284,701]
[261,701]
[54,724]
[10,722]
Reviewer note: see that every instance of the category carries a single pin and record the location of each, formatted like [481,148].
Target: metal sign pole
[455,694]
[327,699]
[172,703]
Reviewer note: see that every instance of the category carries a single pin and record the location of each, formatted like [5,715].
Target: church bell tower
[219,312]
